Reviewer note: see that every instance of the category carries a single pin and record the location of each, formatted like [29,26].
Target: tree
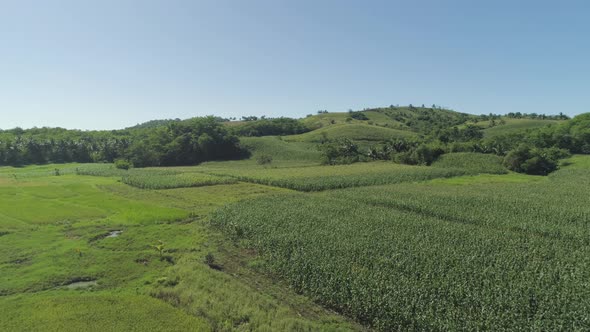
[340,151]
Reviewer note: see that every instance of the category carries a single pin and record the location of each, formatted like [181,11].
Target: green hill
[355,131]
[375,117]
[418,119]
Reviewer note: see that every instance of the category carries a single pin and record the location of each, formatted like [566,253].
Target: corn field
[317,178]
[426,257]
[159,180]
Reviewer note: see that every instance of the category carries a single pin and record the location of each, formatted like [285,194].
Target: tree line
[173,143]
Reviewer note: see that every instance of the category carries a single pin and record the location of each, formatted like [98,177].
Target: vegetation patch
[473,162]
[81,284]
[316,178]
[167,180]
[513,126]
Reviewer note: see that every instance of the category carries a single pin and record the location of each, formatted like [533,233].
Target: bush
[263,159]
[423,154]
[358,116]
[123,164]
[534,161]
[339,152]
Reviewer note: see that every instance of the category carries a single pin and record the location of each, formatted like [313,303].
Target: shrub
[341,151]
[534,161]
[358,116]
[423,154]
[209,259]
[123,164]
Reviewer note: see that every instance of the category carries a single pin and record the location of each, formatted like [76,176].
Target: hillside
[417,119]
[281,151]
[513,125]
[354,131]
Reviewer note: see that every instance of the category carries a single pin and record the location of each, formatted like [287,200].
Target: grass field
[513,126]
[58,232]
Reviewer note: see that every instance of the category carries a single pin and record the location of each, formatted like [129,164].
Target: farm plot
[316,178]
[168,180]
[432,256]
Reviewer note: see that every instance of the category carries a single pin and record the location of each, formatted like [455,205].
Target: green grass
[100,311]
[358,132]
[315,178]
[294,153]
[576,162]
[514,126]
[35,171]
[485,255]
[473,162]
[54,231]
[377,118]
[101,170]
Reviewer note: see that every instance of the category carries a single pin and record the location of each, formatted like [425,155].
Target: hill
[354,131]
[417,119]
[154,124]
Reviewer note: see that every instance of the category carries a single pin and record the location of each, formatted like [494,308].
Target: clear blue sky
[107,64]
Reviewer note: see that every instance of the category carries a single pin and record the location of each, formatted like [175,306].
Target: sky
[109,64]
